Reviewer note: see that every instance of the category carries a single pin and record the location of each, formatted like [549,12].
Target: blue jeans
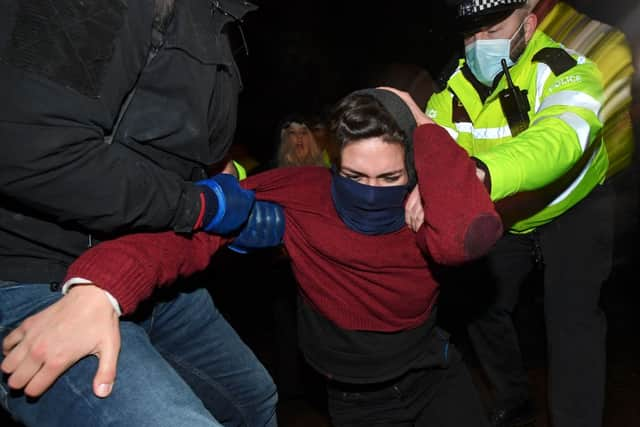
[180,364]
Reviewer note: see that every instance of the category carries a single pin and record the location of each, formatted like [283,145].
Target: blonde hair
[287,155]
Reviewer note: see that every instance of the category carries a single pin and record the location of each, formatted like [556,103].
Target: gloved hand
[234,203]
[264,228]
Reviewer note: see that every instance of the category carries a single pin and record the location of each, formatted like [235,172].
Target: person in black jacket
[112,116]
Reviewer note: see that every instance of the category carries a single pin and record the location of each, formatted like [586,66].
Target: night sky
[304,55]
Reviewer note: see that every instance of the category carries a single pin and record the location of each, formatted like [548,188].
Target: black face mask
[368,209]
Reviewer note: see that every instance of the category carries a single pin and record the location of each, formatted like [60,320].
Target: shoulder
[289,177]
[567,65]
[449,69]
[547,51]
[60,49]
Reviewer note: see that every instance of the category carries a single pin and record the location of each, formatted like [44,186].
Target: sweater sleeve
[461,222]
[131,267]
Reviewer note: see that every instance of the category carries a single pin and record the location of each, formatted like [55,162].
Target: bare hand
[413,210]
[46,344]
[481,174]
[418,113]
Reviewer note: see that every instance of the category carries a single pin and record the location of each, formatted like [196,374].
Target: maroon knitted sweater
[359,282]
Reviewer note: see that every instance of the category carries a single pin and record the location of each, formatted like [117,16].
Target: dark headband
[396,107]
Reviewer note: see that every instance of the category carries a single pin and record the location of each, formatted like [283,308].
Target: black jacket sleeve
[64,76]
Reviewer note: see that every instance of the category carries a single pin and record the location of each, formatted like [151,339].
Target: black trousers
[576,253]
[435,396]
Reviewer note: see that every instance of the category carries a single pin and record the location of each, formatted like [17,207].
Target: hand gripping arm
[227,204]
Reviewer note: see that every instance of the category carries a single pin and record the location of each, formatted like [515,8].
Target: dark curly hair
[359,116]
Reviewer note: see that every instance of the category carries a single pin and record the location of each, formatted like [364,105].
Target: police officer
[527,110]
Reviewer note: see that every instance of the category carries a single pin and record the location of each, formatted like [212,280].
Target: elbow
[483,232]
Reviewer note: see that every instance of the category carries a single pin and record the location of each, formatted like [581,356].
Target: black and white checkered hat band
[475,7]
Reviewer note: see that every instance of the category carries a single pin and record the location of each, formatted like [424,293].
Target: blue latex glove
[234,203]
[264,228]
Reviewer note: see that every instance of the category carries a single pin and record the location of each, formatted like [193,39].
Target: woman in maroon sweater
[367,293]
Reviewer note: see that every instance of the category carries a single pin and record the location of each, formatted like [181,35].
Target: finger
[412,216]
[416,221]
[12,340]
[409,210]
[411,203]
[407,217]
[14,357]
[415,224]
[107,368]
[419,222]
[24,372]
[411,220]
[46,376]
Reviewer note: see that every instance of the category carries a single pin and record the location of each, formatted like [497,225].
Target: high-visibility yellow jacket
[559,154]
[242,171]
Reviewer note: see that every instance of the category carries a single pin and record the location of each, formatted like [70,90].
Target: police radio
[515,104]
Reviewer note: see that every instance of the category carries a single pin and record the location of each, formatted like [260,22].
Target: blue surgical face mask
[368,209]
[484,56]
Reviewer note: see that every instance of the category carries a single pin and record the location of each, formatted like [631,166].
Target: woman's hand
[413,210]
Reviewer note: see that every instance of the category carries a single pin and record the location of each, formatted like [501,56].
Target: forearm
[132,267]
[536,158]
[563,127]
[72,176]
[460,220]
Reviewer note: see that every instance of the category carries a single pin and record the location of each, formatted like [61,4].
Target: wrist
[213,206]
[77,282]
[227,204]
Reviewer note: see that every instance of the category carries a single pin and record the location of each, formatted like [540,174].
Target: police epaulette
[556,58]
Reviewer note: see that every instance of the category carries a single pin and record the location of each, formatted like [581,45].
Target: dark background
[305,55]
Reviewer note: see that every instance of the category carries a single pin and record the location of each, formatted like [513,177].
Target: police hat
[473,15]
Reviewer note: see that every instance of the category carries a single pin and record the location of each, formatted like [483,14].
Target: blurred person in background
[319,126]
[297,145]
